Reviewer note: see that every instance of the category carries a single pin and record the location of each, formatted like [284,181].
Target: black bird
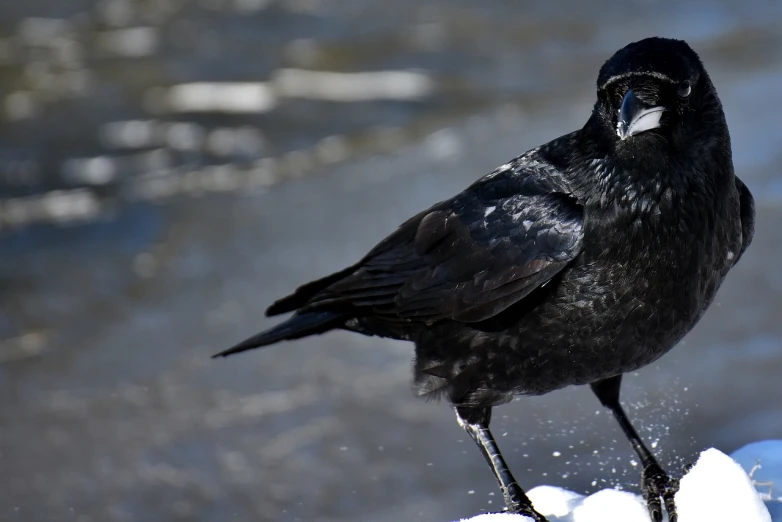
[580,260]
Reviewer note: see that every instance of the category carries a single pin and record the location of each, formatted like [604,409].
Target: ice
[763,461]
[353,87]
[716,489]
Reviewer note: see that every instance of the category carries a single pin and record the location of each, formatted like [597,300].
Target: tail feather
[304,293]
[296,327]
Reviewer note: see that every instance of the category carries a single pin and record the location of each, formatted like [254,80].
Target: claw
[658,485]
[534,515]
[654,509]
[527,511]
[669,492]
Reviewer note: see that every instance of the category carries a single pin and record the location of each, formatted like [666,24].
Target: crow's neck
[653,176]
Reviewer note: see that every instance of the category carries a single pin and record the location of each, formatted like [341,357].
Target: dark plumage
[583,259]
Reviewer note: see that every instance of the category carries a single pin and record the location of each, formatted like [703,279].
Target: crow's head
[656,88]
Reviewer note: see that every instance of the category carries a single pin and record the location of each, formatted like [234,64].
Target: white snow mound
[716,489]
[498,517]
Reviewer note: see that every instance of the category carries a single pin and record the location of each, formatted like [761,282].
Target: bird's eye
[685,88]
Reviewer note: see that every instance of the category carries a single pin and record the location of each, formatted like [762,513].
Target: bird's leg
[475,422]
[655,482]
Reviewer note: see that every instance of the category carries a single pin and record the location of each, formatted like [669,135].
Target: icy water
[147,218]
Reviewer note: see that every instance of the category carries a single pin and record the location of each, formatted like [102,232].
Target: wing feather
[468,258]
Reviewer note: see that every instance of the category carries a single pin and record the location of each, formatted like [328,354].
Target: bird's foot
[518,503]
[527,511]
[657,485]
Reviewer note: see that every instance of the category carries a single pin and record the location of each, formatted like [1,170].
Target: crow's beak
[636,117]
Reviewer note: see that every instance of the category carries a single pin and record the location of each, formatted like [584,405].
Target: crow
[583,259]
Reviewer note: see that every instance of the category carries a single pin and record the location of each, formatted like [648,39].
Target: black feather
[583,259]
[296,327]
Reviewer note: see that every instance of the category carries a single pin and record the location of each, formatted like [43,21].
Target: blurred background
[170,167]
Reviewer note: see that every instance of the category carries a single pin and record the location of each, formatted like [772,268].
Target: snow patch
[554,501]
[498,517]
[716,489]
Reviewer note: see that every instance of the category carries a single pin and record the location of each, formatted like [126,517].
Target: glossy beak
[636,117]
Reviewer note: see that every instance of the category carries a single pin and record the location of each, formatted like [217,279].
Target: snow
[555,501]
[716,489]
[498,517]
